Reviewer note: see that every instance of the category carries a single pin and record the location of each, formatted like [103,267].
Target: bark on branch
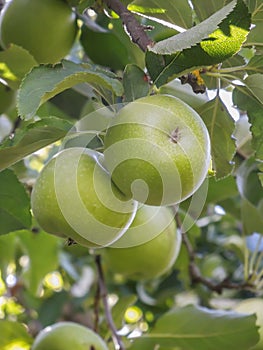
[132,26]
[104,296]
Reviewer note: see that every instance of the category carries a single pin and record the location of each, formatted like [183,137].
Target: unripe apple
[46,28]
[157,150]
[68,336]
[74,196]
[149,248]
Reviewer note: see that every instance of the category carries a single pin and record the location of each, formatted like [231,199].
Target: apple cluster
[156,154]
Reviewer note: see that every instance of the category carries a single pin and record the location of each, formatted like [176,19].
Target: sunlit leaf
[44,82]
[215,48]
[31,138]
[42,250]
[193,35]
[13,333]
[119,309]
[15,62]
[14,203]
[168,12]
[7,252]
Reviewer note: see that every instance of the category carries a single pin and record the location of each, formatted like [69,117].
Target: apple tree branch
[132,26]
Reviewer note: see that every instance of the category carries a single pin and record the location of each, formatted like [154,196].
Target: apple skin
[68,336]
[74,197]
[157,150]
[46,28]
[155,256]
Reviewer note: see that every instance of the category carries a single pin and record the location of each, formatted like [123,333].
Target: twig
[103,294]
[2,4]
[195,273]
[96,309]
[16,125]
[133,27]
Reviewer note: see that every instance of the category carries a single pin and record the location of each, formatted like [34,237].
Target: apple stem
[103,293]
[132,26]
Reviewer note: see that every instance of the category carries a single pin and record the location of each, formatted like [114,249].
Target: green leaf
[44,82]
[120,307]
[217,47]
[254,83]
[135,83]
[193,35]
[14,203]
[104,48]
[7,252]
[31,138]
[168,11]
[42,250]
[204,10]
[255,65]
[251,218]
[260,175]
[51,308]
[184,92]
[220,126]
[221,190]
[245,100]
[256,9]
[200,328]
[14,333]
[250,188]
[15,62]
[248,181]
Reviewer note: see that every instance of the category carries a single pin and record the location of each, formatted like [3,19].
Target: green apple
[46,28]
[149,248]
[253,306]
[7,98]
[74,196]
[157,150]
[68,336]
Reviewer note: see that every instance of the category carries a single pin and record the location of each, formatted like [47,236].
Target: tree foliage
[208,54]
